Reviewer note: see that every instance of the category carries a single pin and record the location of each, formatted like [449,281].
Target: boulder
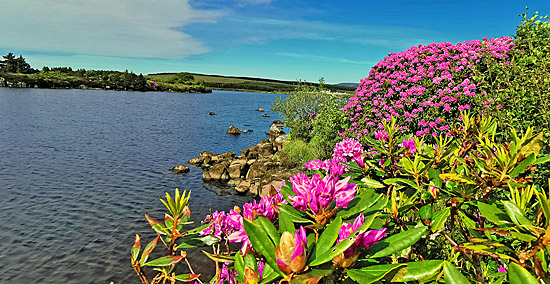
[212,113]
[250,130]
[236,168]
[280,141]
[247,125]
[234,130]
[219,171]
[243,186]
[260,110]
[245,131]
[196,161]
[180,169]
[266,115]
[206,154]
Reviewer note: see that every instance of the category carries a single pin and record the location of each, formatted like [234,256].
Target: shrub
[297,151]
[424,87]
[405,211]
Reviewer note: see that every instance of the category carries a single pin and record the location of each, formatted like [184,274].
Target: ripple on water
[81,167]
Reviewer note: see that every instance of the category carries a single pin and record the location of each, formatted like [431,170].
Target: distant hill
[351,85]
[250,84]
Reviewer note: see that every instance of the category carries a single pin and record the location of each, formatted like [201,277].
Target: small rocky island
[255,170]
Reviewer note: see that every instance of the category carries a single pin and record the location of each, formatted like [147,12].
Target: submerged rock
[180,169]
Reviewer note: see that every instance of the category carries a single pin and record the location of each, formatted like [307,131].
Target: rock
[254,188]
[247,125]
[180,169]
[243,186]
[212,113]
[250,130]
[266,189]
[206,176]
[245,131]
[260,110]
[206,154]
[196,161]
[234,130]
[217,171]
[236,168]
[265,115]
[280,141]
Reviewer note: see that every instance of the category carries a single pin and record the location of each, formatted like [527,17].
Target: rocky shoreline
[254,171]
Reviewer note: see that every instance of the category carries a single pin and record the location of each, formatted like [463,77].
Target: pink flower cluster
[422,86]
[318,193]
[346,151]
[366,240]
[230,225]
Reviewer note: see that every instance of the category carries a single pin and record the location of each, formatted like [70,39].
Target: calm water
[79,168]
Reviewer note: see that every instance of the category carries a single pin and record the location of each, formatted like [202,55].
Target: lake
[80,168]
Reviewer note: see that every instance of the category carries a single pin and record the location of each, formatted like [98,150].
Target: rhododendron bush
[404,210]
[424,87]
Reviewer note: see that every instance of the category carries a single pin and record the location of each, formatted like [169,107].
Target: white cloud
[122,28]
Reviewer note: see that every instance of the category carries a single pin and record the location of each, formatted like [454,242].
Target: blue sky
[278,39]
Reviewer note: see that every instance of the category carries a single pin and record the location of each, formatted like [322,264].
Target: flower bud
[291,252]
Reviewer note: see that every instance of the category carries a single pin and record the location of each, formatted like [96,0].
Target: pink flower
[364,240]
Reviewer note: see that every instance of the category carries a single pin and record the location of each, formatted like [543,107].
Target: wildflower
[364,240]
[291,252]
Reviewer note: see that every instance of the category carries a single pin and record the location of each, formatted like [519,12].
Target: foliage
[297,151]
[12,64]
[520,86]
[401,211]
[424,87]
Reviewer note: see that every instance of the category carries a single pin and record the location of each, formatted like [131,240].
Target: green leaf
[219,257]
[542,160]
[371,274]
[285,223]
[520,168]
[198,229]
[402,181]
[327,238]
[422,271]
[148,249]
[187,277]
[295,215]
[250,261]
[286,191]
[345,244]
[516,215]
[425,212]
[207,240]
[239,266]
[439,219]
[452,275]
[519,275]
[311,277]
[136,248]
[366,200]
[397,242]
[370,183]
[165,261]
[433,174]
[457,177]
[261,243]
[268,275]
[269,228]
[493,214]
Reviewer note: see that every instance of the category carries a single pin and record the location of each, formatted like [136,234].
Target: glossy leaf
[453,276]
[439,219]
[371,274]
[148,249]
[295,215]
[370,183]
[520,168]
[542,160]
[239,266]
[402,182]
[422,270]
[269,228]
[519,275]
[366,200]
[198,229]
[493,214]
[261,243]
[311,277]
[136,248]
[345,244]
[397,242]
[327,238]
[219,257]
[457,177]
[187,277]
[285,223]
[516,215]
[165,261]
